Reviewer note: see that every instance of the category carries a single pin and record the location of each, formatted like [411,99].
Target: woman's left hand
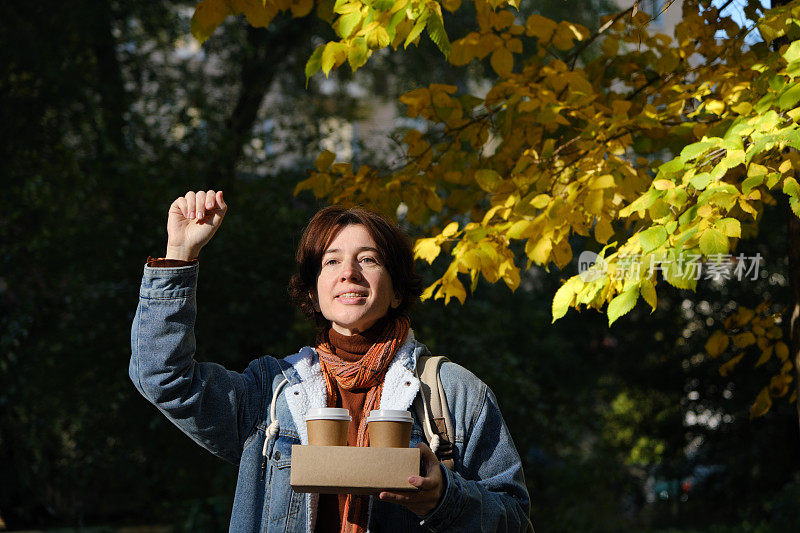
[430,487]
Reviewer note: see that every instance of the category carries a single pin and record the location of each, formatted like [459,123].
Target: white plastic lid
[389,415]
[328,413]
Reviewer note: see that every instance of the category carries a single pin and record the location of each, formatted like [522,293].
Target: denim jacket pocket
[281,456]
[283,503]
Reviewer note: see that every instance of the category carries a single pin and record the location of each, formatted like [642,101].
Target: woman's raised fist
[192,221]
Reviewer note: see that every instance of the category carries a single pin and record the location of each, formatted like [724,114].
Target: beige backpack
[431,408]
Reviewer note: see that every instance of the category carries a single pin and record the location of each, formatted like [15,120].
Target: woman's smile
[352,297]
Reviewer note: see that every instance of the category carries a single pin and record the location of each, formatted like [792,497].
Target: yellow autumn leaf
[775,332]
[520,229]
[717,343]
[450,229]
[715,106]
[451,5]
[564,297]
[594,202]
[728,366]
[606,181]
[301,8]
[333,55]
[766,353]
[603,230]
[782,350]
[427,249]
[208,15]
[743,340]
[472,260]
[324,160]
[565,35]
[428,292]
[663,185]
[453,288]
[762,404]
[779,385]
[539,250]
[502,61]
[540,27]
[540,201]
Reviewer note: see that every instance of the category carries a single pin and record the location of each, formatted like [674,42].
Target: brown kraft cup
[389,428]
[327,426]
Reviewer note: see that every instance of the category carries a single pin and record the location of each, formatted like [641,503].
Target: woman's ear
[396,301]
[314,301]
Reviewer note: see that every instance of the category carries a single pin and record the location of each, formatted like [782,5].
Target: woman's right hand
[192,221]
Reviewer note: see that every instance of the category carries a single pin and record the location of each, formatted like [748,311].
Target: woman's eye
[329,262]
[369,259]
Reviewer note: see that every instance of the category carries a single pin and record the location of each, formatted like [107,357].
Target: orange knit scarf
[369,372]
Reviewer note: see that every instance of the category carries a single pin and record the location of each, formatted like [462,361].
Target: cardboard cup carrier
[389,428]
[327,426]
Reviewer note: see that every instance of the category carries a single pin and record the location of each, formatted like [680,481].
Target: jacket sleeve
[487,490]
[216,407]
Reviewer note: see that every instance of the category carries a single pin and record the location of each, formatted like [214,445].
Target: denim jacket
[228,413]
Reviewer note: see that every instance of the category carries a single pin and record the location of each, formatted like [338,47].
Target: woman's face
[354,288]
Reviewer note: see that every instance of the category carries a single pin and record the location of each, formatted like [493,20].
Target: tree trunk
[793,244]
[109,81]
[268,51]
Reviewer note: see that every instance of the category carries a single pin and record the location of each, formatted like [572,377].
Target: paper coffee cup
[327,426]
[389,428]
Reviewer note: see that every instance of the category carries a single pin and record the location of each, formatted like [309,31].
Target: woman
[355,278]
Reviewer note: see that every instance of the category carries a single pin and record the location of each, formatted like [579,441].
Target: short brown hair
[393,248]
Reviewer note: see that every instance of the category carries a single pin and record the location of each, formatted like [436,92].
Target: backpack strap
[430,405]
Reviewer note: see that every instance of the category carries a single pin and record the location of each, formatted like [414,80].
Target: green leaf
[794,203]
[697,149]
[713,242]
[772,179]
[437,34]
[761,143]
[752,182]
[652,238]
[789,97]
[671,166]
[314,62]
[418,27]
[622,304]
[729,226]
[641,203]
[685,236]
[676,197]
[688,215]
[382,5]
[347,23]
[358,53]
[700,181]
[792,53]
[391,27]
[791,187]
